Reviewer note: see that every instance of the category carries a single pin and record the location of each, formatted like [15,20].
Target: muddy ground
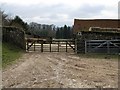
[60,70]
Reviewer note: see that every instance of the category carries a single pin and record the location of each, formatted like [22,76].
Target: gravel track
[60,70]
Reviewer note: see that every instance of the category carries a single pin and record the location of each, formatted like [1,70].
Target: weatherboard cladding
[84,25]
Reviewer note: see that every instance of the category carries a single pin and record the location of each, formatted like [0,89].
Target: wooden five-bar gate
[54,45]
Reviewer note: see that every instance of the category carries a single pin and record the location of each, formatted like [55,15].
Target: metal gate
[102,46]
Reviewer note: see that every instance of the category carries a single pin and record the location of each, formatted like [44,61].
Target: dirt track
[55,70]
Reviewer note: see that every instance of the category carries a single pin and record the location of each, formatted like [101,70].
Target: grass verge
[10,54]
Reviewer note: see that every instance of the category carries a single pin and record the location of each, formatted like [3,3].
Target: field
[61,70]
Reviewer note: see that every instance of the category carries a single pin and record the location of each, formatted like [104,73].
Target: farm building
[98,35]
[84,25]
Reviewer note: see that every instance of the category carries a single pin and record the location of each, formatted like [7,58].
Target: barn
[97,36]
[84,25]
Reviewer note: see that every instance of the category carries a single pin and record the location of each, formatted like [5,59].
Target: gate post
[85,47]
[42,46]
[66,46]
[27,45]
[34,45]
[58,45]
[50,46]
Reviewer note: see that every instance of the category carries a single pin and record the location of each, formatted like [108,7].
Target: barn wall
[84,25]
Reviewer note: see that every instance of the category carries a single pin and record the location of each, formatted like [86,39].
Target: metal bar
[108,49]
[114,44]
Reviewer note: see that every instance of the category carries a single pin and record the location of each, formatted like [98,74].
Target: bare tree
[5,19]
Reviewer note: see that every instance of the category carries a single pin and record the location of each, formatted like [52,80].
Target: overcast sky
[60,12]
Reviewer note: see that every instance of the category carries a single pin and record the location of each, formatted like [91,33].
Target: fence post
[74,45]
[58,46]
[66,46]
[85,47]
[50,46]
[34,45]
[42,46]
[27,44]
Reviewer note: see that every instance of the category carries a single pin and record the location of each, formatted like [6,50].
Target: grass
[100,56]
[10,54]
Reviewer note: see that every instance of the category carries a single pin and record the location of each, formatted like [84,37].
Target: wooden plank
[71,46]
[62,40]
[30,45]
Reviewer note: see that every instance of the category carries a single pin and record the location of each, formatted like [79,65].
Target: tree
[65,32]
[70,32]
[58,33]
[18,22]
[5,18]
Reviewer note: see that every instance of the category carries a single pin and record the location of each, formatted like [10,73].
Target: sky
[60,12]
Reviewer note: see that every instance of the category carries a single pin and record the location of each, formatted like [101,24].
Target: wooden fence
[15,36]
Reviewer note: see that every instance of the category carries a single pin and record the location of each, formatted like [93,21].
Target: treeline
[65,32]
[38,30]
[41,30]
